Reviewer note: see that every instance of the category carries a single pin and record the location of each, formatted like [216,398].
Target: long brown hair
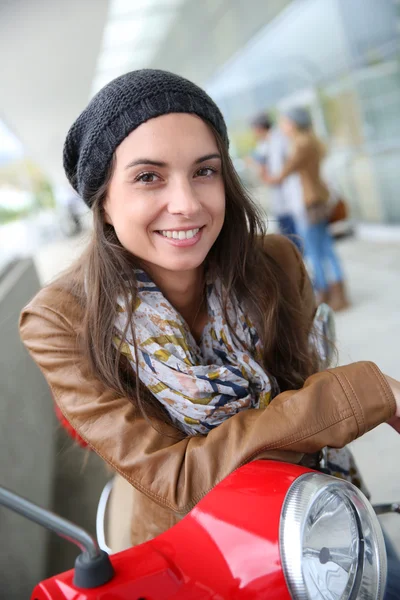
[237,257]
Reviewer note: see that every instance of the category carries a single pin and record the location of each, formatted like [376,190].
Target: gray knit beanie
[300,117]
[120,107]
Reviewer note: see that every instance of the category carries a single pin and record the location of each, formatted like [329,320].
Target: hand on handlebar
[395,387]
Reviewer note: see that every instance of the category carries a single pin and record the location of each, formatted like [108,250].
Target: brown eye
[147,177]
[206,172]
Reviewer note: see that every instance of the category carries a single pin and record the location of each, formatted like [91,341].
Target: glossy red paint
[227,547]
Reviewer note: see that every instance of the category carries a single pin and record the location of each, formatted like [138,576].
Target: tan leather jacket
[306,157]
[171,475]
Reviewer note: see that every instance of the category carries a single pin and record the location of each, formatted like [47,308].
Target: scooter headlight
[332,546]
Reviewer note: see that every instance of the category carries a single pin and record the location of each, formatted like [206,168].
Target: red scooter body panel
[227,547]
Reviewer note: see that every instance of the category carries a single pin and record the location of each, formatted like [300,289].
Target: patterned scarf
[202,385]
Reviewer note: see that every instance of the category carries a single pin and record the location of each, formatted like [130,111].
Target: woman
[306,157]
[166,342]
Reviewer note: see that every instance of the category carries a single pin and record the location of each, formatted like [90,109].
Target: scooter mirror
[93,567]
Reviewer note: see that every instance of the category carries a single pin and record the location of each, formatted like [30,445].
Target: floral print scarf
[200,385]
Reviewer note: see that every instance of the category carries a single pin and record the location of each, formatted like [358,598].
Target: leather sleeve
[333,408]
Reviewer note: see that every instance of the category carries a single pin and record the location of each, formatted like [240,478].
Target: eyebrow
[156,163]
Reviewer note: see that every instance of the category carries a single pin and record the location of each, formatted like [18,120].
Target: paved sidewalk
[370,330]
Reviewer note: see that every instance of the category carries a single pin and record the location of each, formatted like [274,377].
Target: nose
[182,199]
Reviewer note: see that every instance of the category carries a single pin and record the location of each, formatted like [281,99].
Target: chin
[180,265]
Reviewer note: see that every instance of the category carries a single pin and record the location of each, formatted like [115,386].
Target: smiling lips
[182,237]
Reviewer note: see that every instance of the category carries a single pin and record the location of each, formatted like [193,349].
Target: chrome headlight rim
[303,494]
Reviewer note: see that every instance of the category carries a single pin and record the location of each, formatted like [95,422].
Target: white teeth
[180,235]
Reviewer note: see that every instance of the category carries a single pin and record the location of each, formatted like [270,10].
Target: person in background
[307,153]
[271,153]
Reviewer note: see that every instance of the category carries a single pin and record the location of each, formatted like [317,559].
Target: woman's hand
[395,387]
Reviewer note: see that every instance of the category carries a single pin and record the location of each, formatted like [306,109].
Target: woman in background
[305,159]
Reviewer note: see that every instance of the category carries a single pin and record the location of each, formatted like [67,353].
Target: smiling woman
[168,209]
[180,345]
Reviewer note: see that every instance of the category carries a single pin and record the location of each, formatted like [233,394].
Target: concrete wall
[37,459]
[27,427]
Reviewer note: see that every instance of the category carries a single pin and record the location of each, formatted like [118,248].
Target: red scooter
[269,530]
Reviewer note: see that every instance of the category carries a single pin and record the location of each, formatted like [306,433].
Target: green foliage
[26,176]
[7,215]
[243,141]
[43,192]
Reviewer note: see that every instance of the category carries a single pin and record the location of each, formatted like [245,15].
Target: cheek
[216,203]
[131,219]
[128,211]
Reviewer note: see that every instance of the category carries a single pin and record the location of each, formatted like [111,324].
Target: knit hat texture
[120,107]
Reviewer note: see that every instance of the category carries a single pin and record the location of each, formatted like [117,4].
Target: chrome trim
[49,520]
[101,516]
[300,498]
[324,323]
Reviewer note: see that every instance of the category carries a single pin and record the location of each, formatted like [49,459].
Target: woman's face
[166,198]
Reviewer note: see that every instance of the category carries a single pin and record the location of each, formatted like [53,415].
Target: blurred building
[339,57]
